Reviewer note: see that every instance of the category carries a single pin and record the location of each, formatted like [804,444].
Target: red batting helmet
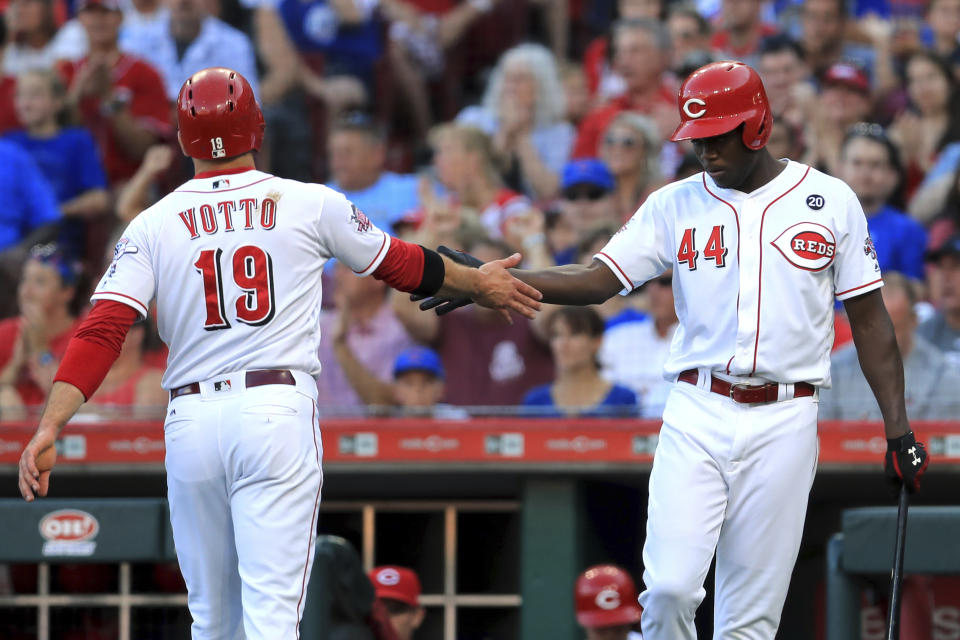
[718,98]
[605,597]
[218,115]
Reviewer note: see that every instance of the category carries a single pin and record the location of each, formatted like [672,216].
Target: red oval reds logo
[807,245]
[69,525]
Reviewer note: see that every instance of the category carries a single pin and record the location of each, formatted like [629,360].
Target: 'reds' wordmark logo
[807,245]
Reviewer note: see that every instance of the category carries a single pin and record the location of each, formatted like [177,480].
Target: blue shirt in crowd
[69,161]
[620,401]
[28,200]
[387,200]
[899,240]
[313,26]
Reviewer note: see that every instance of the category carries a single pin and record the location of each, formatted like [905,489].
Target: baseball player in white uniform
[759,248]
[233,258]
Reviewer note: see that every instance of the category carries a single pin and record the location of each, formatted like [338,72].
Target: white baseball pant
[732,479]
[243,481]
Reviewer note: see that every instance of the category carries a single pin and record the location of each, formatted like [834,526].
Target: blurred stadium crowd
[491,126]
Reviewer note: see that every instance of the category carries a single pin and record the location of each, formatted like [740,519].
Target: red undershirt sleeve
[411,268]
[95,346]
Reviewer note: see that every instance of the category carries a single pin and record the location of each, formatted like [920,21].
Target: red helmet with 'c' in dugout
[606,596]
[719,97]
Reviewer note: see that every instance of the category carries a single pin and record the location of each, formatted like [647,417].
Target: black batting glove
[905,461]
[442,305]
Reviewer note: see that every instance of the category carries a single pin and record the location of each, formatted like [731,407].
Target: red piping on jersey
[382,245]
[402,267]
[617,266]
[122,295]
[225,190]
[224,172]
[756,340]
[736,217]
[313,520]
[840,293]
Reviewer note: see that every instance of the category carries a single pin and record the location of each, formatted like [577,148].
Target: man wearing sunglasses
[587,196]
[760,248]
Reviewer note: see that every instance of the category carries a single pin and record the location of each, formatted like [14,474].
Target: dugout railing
[467,555]
[865,547]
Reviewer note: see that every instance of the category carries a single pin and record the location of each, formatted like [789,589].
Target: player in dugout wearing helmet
[760,250]
[605,597]
[234,259]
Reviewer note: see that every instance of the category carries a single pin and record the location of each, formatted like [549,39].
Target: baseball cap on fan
[396,583]
[949,248]
[107,5]
[588,172]
[418,359]
[849,75]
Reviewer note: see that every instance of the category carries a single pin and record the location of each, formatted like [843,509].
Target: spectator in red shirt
[120,98]
[603,81]
[741,31]
[641,49]
[32,343]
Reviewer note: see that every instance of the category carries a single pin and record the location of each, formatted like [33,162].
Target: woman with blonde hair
[631,149]
[523,111]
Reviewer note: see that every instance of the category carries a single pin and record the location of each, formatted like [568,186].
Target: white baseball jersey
[234,262]
[740,260]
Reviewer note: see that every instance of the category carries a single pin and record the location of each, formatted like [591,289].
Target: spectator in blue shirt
[357,149]
[576,334]
[67,156]
[29,202]
[870,163]
[27,217]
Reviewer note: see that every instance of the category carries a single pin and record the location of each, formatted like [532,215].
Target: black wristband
[902,443]
[434,272]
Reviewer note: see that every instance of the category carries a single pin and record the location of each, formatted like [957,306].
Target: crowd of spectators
[491,126]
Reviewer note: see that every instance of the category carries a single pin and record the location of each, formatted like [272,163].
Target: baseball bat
[896,576]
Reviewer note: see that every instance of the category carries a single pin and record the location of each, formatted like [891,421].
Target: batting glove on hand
[441,305]
[905,461]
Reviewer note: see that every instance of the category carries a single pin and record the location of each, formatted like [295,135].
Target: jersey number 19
[252,274]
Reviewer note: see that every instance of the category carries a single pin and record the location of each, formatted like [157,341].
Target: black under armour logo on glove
[905,461]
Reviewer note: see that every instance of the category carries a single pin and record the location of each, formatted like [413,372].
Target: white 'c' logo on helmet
[690,112]
[608,599]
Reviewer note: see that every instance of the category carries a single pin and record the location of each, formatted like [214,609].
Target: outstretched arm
[418,270]
[572,284]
